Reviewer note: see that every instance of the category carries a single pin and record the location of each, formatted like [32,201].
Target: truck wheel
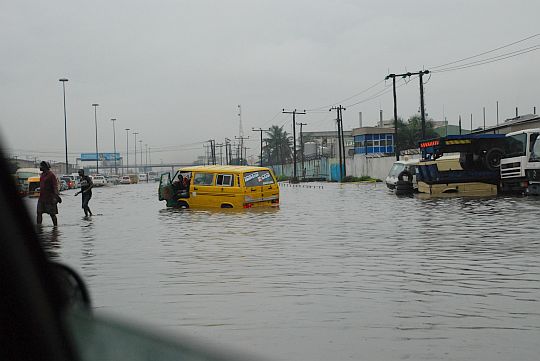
[492,160]
[405,173]
[466,161]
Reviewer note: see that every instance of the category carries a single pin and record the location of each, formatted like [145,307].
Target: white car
[398,167]
[143,177]
[125,180]
[98,180]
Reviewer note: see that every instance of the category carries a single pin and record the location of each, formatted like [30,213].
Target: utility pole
[212,151]
[63,80]
[420,73]
[227,152]
[127,152]
[396,147]
[294,112]
[422,109]
[301,146]
[240,149]
[484,111]
[113,120]
[341,142]
[460,124]
[471,124]
[261,132]
[220,146]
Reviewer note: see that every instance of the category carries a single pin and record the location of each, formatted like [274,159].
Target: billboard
[101,156]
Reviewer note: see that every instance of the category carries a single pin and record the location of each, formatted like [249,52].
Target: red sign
[431,143]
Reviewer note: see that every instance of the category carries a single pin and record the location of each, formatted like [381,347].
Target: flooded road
[337,273]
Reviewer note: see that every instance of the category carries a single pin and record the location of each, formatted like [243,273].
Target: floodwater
[338,272]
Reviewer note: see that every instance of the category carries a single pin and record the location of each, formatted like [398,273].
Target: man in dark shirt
[86,190]
[48,194]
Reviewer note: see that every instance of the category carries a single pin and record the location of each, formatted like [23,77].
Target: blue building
[373,140]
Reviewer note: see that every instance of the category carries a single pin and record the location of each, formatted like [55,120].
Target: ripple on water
[346,271]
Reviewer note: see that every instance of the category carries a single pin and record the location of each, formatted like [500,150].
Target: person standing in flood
[86,190]
[48,194]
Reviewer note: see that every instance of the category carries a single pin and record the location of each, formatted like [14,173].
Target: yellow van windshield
[258,178]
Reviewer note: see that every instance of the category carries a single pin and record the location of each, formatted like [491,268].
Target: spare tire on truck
[404,187]
[466,161]
[407,174]
[492,159]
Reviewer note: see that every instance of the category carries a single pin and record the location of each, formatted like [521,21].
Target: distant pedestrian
[86,190]
[48,194]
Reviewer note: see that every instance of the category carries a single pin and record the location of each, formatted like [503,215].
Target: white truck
[520,166]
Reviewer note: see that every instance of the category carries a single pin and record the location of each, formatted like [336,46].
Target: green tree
[278,148]
[410,132]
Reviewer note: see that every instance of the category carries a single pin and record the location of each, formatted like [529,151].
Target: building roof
[372,130]
[508,123]
[222,168]
[327,134]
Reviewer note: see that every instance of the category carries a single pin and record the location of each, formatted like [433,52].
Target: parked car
[398,167]
[63,185]
[98,180]
[125,180]
[113,179]
[72,181]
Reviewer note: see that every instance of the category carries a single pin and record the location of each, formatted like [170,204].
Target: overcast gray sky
[175,71]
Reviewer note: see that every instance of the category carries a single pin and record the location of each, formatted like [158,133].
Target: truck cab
[520,167]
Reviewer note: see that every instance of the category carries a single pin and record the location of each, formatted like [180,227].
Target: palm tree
[278,146]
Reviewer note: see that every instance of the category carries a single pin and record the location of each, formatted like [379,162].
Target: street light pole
[63,80]
[127,151]
[146,158]
[140,146]
[95,105]
[113,120]
[135,133]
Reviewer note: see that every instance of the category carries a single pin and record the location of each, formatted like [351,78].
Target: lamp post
[146,157]
[127,150]
[140,146]
[135,134]
[95,105]
[113,120]
[63,80]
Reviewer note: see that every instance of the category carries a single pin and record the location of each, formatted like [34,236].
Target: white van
[143,177]
[398,167]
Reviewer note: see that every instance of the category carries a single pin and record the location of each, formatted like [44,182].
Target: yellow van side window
[225,180]
[203,179]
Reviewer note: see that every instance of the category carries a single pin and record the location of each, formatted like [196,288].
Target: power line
[491,59]
[486,52]
[348,98]
[381,93]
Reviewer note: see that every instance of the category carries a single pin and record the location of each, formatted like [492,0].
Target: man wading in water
[86,190]
[48,194]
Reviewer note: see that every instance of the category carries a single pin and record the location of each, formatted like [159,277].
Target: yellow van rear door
[260,186]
